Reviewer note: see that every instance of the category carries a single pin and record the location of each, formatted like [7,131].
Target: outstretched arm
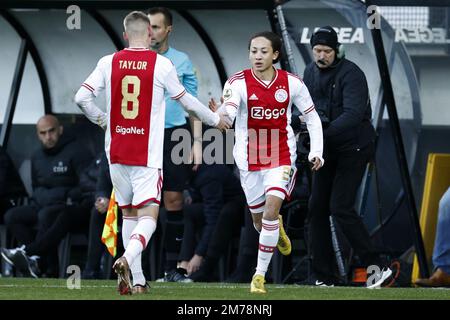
[196,108]
[191,104]
[229,102]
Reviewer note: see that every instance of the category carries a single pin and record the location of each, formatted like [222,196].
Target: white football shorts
[257,185]
[136,186]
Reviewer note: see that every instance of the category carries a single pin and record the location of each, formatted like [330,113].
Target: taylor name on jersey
[132,65]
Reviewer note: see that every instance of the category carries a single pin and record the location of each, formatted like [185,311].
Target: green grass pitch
[51,289]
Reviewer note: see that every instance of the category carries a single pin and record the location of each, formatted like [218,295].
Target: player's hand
[213,106]
[316,164]
[194,264]
[225,122]
[101,204]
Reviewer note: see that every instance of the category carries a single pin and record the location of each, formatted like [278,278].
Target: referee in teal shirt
[175,176]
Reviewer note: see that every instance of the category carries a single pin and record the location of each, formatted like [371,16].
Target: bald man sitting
[56,168]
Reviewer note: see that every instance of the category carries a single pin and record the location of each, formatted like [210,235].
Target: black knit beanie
[325,36]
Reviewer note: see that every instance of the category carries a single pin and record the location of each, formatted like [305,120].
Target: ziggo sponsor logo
[129,130]
[261,113]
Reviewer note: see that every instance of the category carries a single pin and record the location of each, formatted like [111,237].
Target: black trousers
[95,246]
[334,189]
[23,222]
[73,218]
[229,224]
[193,223]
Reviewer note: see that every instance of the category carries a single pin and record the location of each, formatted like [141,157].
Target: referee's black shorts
[176,176]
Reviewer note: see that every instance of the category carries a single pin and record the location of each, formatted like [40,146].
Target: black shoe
[28,266]
[319,282]
[8,254]
[323,283]
[176,275]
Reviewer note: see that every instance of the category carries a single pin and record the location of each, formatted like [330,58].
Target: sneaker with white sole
[176,275]
[8,254]
[26,265]
[325,284]
[386,272]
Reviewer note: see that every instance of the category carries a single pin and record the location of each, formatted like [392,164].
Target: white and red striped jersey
[134,80]
[264,138]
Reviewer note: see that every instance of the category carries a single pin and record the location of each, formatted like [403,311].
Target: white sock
[128,225]
[268,239]
[140,236]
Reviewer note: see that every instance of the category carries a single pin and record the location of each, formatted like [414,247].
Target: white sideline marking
[49,286]
[153,285]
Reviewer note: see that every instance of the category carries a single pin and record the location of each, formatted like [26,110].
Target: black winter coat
[89,179]
[56,172]
[341,96]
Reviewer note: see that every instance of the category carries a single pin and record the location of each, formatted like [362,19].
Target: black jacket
[341,96]
[56,172]
[89,179]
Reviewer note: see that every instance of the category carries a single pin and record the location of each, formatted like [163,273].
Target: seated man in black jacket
[56,172]
[74,217]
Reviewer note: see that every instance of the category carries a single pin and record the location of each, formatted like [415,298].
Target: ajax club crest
[281,95]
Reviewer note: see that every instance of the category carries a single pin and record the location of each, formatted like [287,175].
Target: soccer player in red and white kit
[134,80]
[260,100]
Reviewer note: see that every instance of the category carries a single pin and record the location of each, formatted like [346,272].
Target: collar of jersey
[137,48]
[267,86]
